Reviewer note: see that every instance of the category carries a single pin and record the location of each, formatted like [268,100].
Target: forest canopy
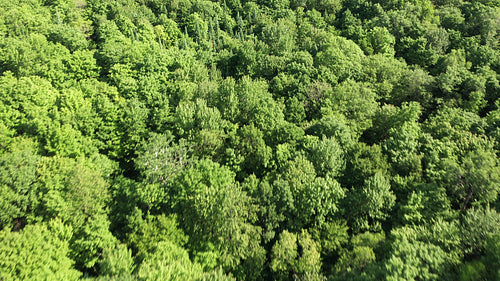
[249,140]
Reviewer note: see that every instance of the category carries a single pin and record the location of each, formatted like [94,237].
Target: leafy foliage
[249,140]
[37,252]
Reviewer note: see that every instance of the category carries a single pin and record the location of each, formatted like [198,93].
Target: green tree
[363,162]
[427,252]
[78,195]
[251,146]
[327,157]
[71,191]
[288,262]
[306,200]
[492,258]
[214,210]
[257,105]
[116,261]
[90,241]
[37,252]
[479,225]
[476,180]
[147,232]
[415,260]
[18,185]
[343,57]
[356,101]
[370,204]
[333,126]
[202,125]
[169,262]
[133,124]
[355,261]
[380,41]
[402,147]
[279,36]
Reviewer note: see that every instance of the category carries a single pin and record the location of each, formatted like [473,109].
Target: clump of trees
[249,140]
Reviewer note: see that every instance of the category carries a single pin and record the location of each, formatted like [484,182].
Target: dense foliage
[241,140]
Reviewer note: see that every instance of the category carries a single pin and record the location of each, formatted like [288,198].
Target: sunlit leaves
[343,57]
[215,210]
[169,262]
[288,262]
[18,185]
[35,253]
[259,140]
